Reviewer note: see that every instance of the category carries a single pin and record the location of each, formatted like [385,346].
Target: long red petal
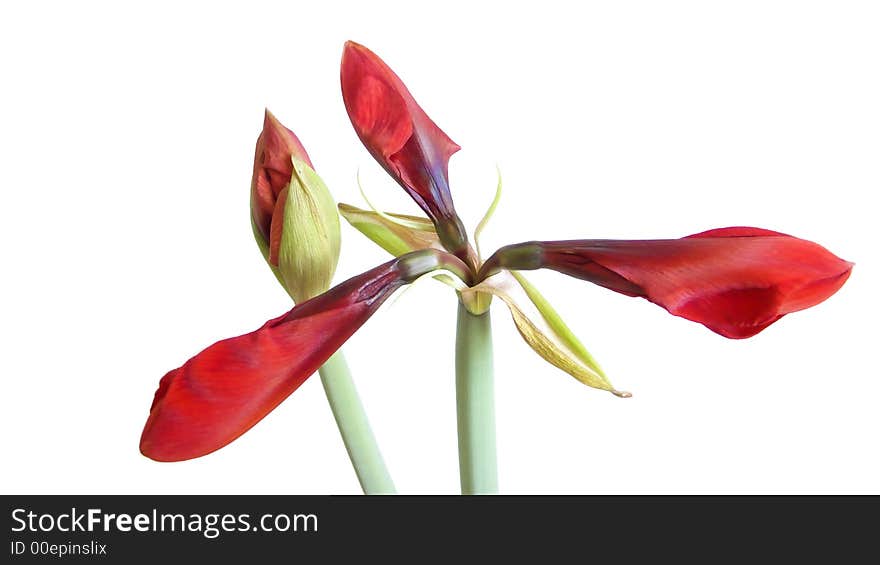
[223,391]
[735,281]
[273,167]
[401,137]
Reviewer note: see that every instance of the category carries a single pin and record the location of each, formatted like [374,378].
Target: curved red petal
[735,313]
[273,167]
[401,137]
[223,391]
[735,281]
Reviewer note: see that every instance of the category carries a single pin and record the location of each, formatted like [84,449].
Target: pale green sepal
[384,238]
[488,215]
[554,320]
[310,236]
[397,234]
[545,332]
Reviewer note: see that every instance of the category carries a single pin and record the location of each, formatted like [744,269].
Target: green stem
[475,400]
[355,427]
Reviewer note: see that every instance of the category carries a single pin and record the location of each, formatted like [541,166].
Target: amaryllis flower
[736,281]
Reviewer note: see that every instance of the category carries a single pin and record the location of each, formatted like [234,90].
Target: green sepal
[544,331]
[397,234]
[554,320]
[488,215]
[310,236]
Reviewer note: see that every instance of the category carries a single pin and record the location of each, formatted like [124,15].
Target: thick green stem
[475,399]
[355,427]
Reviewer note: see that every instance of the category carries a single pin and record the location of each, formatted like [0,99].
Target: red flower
[402,138]
[735,281]
[223,391]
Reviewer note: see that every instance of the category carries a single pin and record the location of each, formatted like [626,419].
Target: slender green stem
[355,427]
[475,400]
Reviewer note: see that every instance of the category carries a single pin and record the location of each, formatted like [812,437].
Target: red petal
[272,169]
[377,111]
[223,391]
[401,137]
[276,226]
[735,281]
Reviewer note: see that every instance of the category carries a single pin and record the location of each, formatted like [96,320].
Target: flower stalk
[354,427]
[475,402]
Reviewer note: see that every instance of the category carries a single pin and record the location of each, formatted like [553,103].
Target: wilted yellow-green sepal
[545,332]
[554,320]
[397,234]
[310,237]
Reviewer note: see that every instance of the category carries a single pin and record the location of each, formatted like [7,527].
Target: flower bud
[294,216]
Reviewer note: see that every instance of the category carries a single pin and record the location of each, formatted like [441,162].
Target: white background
[126,145]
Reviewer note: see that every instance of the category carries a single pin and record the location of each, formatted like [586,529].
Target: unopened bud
[293,214]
